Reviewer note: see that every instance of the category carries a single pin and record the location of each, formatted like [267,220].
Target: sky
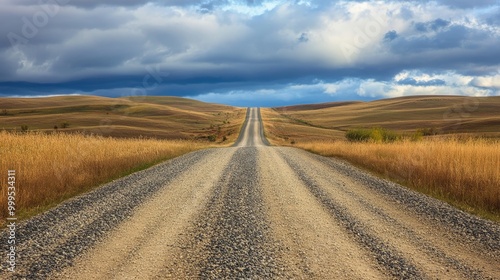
[250,53]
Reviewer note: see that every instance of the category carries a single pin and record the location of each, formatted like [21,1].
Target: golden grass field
[53,167]
[106,139]
[459,165]
[464,172]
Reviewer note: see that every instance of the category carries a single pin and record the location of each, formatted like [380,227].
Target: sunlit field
[453,157]
[52,167]
[465,172]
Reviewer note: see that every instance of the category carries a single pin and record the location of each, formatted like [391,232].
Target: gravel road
[253,211]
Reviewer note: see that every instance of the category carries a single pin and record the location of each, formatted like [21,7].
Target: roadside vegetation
[53,167]
[463,172]
[461,169]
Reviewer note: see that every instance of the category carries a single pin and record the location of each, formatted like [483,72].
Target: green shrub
[374,134]
[417,136]
[390,136]
[428,131]
[212,138]
[358,135]
[377,135]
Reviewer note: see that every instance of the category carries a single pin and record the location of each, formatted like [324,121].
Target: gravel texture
[232,234]
[470,228]
[253,211]
[455,242]
[50,241]
[386,256]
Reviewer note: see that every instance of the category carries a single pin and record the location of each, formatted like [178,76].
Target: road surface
[254,211]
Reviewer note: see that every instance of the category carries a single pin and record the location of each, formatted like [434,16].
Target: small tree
[24,128]
[65,125]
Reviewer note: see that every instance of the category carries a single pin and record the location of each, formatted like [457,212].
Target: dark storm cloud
[222,47]
[456,36]
[102,50]
[8,66]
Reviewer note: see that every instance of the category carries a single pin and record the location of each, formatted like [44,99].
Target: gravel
[232,231]
[476,234]
[50,241]
[386,256]
[470,228]
[227,234]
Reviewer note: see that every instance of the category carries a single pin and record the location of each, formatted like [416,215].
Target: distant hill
[150,116]
[441,114]
[317,106]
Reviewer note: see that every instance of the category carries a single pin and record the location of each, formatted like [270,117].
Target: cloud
[92,4]
[413,82]
[434,25]
[391,35]
[492,82]
[469,4]
[315,50]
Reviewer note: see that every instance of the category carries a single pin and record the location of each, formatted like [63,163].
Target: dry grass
[466,173]
[461,169]
[53,167]
[447,114]
[282,131]
[160,117]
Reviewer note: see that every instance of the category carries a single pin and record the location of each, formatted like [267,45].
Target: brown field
[459,165]
[476,116]
[149,116]
[105,139]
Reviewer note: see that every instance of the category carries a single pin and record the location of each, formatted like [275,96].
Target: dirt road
[254,211]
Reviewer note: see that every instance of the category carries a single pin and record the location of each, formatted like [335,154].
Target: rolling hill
[478,116]
[150,116]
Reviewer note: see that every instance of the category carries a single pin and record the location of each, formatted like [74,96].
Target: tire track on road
[231,237]
[386,255]
[433,251]
[146,245]
[315,245]
[57,236]
[256,212]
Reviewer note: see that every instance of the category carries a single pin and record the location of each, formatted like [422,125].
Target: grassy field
[457,115]
[465,173]
[99,139]
[53,167]
[458,165]
[148,116]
